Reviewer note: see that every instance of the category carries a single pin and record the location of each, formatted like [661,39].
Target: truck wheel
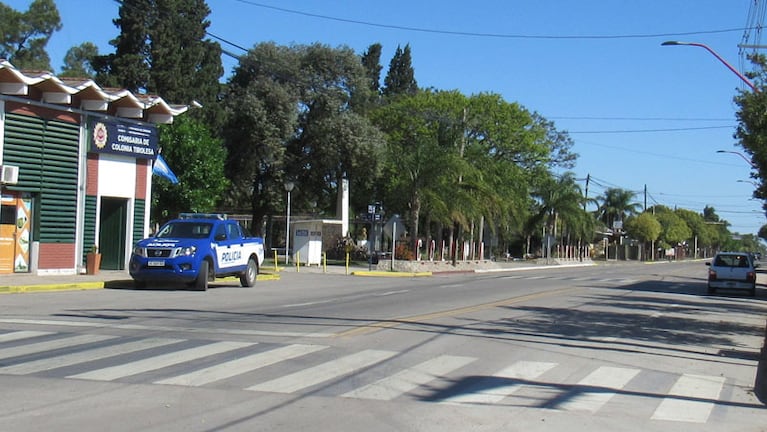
[201,284]
[248,277]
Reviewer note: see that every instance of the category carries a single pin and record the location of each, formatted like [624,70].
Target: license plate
[160,263]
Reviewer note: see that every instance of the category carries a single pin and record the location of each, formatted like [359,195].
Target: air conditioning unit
[9,174]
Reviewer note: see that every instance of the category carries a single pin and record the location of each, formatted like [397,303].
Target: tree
[560,202]
[422,164]
[763,232]
[674,229]
[703,233]
[616,206]
[24,35]
[720,234]
[461,161]
[262,95]
[197,159]
[752,129]
[558,143]
[301,106]
[334,139]
[400,79]
[161,49]
[644,228]
[78,62]
[371,61]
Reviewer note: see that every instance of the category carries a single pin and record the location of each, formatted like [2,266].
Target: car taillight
[751,276]
[711,275]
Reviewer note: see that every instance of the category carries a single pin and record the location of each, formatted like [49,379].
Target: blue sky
[641,115]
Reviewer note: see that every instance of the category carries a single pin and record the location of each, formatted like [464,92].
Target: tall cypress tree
[371,61]
[401,77]
[161,49]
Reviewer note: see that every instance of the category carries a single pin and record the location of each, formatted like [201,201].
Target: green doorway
[112,232]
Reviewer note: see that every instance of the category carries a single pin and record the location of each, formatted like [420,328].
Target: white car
[732,270]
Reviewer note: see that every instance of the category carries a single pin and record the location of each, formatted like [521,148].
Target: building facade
[76,163]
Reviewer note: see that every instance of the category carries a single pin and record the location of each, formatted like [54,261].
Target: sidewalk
[24,282]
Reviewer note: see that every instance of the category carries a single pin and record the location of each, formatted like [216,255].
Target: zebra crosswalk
[378,374]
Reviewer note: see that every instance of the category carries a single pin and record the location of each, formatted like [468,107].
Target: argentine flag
[161,168]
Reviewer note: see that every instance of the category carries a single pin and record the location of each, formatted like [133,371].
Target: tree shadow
[561,393]
[630,322]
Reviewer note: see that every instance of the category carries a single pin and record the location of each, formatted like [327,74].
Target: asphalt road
[612,347]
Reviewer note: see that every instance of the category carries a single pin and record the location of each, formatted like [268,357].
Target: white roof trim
[15,82]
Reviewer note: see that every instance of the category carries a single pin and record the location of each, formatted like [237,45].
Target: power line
[638,118]
[219,38]
[659,155]
[650,130]
[487,35]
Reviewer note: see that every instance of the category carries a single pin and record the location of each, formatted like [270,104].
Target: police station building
[75,171]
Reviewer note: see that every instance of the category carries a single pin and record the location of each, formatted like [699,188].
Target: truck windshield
[195,230]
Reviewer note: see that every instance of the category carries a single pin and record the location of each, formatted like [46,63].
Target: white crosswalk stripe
[84,356]
[160,361]
[603,378]
[410,379]
[690,399]
[324,372]
[522,370]
[44,346]
[241,365]
[19,335]
[690,403]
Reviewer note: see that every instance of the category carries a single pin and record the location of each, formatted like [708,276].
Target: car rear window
[731,261]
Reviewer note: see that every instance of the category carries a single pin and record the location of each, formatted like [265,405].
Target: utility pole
[645,198]
[586,194]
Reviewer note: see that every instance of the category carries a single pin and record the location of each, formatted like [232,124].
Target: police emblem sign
[127,139]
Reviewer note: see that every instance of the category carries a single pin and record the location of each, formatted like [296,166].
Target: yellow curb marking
[51,287]
[390,274]
[78,286]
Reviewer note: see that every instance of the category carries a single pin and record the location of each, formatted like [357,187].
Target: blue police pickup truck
[196,249]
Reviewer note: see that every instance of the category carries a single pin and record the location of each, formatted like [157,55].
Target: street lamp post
[753,165]
[760,383]
[706,47]
[748,181]
[288,188]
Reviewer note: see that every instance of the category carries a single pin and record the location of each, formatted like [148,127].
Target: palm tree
[617,205]
[560,204]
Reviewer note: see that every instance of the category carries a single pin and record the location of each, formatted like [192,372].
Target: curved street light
[753,165]
[760,383]
[748,181]
[729,66]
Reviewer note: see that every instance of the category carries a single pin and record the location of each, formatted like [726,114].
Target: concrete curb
[536,267]
[79,286]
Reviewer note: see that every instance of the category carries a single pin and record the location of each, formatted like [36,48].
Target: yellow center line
[384,324]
